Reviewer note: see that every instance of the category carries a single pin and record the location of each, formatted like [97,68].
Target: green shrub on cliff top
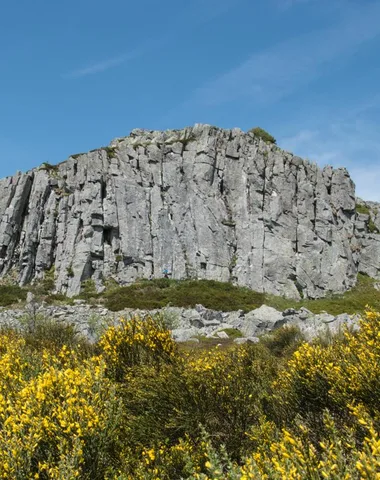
[264,135]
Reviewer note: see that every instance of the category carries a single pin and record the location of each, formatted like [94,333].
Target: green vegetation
[111,151]
[261,133]
[49,167]
[134,406]
[88,289]
[232,332]
[151,294]
[46,285]
[77,155]
[10,294]
[372,227]
[353,301]
[70,271]
[160,293]
[40,332]
[283,341]
[363,209]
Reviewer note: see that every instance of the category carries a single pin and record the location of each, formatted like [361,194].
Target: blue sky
[75,74]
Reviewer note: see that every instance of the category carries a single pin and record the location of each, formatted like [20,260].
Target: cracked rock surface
[200,203]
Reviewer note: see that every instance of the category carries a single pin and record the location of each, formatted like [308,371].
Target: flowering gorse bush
[319,418]
[137,407]
[135,342]
[50,416]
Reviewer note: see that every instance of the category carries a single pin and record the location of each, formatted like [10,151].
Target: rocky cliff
[201,202]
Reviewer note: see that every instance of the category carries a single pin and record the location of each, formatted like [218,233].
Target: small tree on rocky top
[261,133]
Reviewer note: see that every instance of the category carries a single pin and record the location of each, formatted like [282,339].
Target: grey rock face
[200,203]
[367,238]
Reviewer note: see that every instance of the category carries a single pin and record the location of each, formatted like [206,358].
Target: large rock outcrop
[201,202]
[367,238]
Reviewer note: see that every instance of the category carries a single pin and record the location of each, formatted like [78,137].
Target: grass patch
[58,299]
[353,301]
[206,344]
[160,293]
[363,209]
[151,294]
[232,333]
[10,294]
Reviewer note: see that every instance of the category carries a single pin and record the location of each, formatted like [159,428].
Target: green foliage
[232,332]
[372,227]
[135,406]
[151,294]
[10,294]
[263,135]
[363,209]
[41,332]
[283,341]
[222,390]
[88,289]
[58,298]
[46,285]
[49,167]
[111,151]
[352,301]
[70,271]
[159,293]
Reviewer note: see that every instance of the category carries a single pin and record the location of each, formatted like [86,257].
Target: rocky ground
[187,325]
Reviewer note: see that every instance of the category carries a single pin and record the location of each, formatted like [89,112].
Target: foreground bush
[10,294]
[56,413]
[136,407]
[136,342]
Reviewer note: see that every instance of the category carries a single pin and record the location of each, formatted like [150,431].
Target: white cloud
[103,65]
[270,75]
[200,12]
[348,142]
